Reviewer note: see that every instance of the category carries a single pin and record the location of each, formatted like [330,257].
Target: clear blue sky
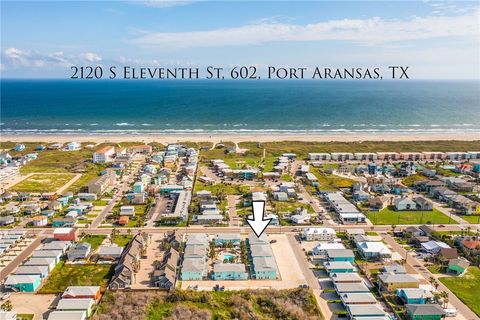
[436,39]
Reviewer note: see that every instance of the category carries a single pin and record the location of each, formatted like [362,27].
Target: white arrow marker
[258,223]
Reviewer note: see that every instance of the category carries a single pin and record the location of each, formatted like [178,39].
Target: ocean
[255,106]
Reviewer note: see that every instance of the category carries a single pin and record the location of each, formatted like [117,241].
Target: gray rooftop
[358,298]
[351,287]
[229,267]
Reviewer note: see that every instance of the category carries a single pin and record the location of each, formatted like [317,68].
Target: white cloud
[14,57]
[372,31]
[90,57]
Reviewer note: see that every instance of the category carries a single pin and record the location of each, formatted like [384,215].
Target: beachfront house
[229,271]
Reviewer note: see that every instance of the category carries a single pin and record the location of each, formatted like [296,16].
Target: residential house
[227,238]
[404,203]
[423,204]
[360,298]
[414,295]
[129,263]
[264,268]
[7,220]
[64,222]
[70,315]
[378,203]
[341,287]
[39,221]
[391,282]
[85,305]
[338,267]
[49,262]
[340,255]
[458,266]
[302,218]
[23,283]
[104,154]
[41,271]
[434,247]
[65,234]
[346,277]
[365,311]
[100,184]
[81,251]
[374,250]
[319,234]
[431,311]
[229,271]
[56,254]
[111,252]
[82,292]
[128,211]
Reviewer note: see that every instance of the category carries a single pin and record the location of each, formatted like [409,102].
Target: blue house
[63,201]
[414,295]
[194,269]
[338,267]
[23,283]
[346,255]
[229,271]
[222,239]
[264,268]
[138,187]
[19,147]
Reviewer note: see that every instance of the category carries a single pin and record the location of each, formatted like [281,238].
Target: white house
[302,218]
[319,234]
[127,211]
[104,154]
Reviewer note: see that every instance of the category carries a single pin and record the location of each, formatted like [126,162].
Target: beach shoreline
[240,137]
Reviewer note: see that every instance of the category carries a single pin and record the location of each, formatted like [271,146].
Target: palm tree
[444,296]
[394,226]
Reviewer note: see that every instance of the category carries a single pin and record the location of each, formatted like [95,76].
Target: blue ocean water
[75,106]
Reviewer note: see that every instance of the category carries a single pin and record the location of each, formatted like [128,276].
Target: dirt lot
[291,275]
[36,304]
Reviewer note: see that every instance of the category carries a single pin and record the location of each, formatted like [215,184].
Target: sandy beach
[215,138]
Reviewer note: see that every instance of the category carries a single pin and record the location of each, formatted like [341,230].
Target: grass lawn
[410,181]
[89,172]
[25,316]
[288,206]
[94,240]
[77,275]
[58,161]
[471,219]
[221,188]
[466,288]
[122,240]
[390,216]
[331,182]
[41,182]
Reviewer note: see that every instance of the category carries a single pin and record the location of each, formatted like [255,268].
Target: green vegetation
[122,240]
[25,316]
[58,161]
[42,182]
[94,240]
[390,216]
[434,268]
[410,180]
[331,182]
[205,305]
[89,172]
[221,188]
[466,287]
[474,219]
[290,206]
[286,177]
[77,275]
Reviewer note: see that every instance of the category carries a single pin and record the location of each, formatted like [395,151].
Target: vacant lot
[43,182]
[475,219]
[94,240]
[205,305]
[77,275]
[390,216]
[466,288]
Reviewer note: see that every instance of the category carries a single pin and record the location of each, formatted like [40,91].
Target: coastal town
[360,230]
